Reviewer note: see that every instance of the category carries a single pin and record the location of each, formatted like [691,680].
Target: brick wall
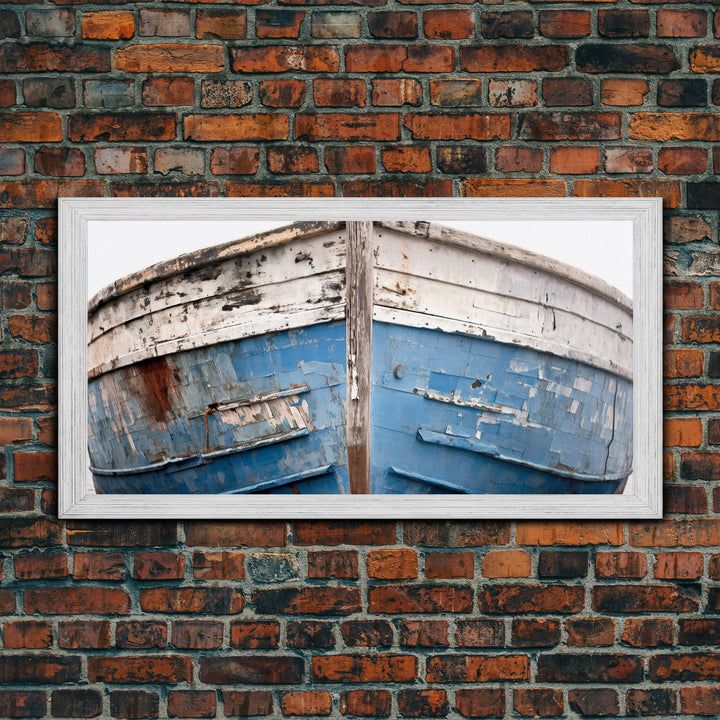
[368,97]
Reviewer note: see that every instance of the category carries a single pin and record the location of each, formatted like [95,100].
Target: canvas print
[360,357]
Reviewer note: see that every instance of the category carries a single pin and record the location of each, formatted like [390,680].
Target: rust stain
[158,382]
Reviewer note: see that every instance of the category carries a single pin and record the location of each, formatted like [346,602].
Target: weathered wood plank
[359,352]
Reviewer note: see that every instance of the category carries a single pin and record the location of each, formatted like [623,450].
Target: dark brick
[644,598]
[682,93]
[241,669]
[108,93]
[133,634]
[564,23]
[654,701]
[703,195]
[9,24]
[255,635]
[367,633]
[461,159]
[538,702]
[589,668]
[572,564]
[477,668]
[310,634]
[423,703]
[573,92]
[600,702]
[424,633]
[366,703]
[516,24]
[50,23]
[535,633]
[135,704]
[52,92]
[607,58]
[22,703]
[399,24]
[480,633]
[247,703]
[480,702]
[569,126]
[511,599]
[36,669]
[120,534]
[60,162]
[278,23]
[76,703]
[197,634]
[44,57]
[624,23]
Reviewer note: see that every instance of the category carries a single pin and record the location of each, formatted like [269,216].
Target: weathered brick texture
[359,619]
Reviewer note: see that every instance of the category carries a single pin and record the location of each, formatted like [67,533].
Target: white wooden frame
[646,502]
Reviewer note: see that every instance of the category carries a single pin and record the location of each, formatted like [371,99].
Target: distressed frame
[646,502]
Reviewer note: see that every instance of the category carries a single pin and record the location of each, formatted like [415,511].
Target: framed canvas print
[360,358]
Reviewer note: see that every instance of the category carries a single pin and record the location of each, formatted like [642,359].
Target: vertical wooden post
[359,304]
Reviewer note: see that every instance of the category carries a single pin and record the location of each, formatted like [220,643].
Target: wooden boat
[360,357]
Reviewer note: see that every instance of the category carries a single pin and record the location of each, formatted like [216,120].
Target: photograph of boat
[360,357]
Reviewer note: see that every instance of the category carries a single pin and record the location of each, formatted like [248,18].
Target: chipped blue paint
[449,413]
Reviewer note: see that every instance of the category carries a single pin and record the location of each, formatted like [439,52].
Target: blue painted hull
[449,414]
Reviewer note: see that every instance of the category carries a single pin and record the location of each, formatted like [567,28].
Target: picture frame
[641,217]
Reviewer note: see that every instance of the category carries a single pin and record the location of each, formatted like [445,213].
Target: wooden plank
[359,352]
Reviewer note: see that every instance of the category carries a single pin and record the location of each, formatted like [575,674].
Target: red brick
[30,127]
[158,566]
[15,430]
[582,126]
[406,158]
[598,702]
[39,669]
[682,362]
[680,295]
[108,25]
[513,58]
[121,127]
[7,93]
[538,702]
[224,565]
[60,162]
[276,188]
[332,92]
[191,703]
[678,565]
[363,668]
[513,187]
[350,159]
[480,702]
[13,230]
[673,126]
[98,566]
[691,396]
[333,563]
[7,602]
[33,328]
[168,91]
[237,160]
[564,23]
[463,533]
[197,634]
[35,466]
[284,58]
[624,93]
[700,700]
[366,703]
[667,189]
[395,92]
[506,563]
[590,632]
[278,23]
[569,533]
[682,160]
[461,93]
[76,600]
[480,633]
[14,296]
[509,599]
[450,565]
[437,126]
[255,635]
[529,633]
[698,631]
[134,634]
[518,159]
[282,93]
[84,634]
[671,533]
[477,668]
[140,669]
[312,702]
[424,633]
[219,600]
[574,160]
[686,229]
[248,703]
[419,598]
[398,58]
[169,57]
[448,24]
[681,23]
[307,601]
[258,126]
[648,632]
[682,432]
[684,666]
[344,532]
[27,634]
[225,93]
